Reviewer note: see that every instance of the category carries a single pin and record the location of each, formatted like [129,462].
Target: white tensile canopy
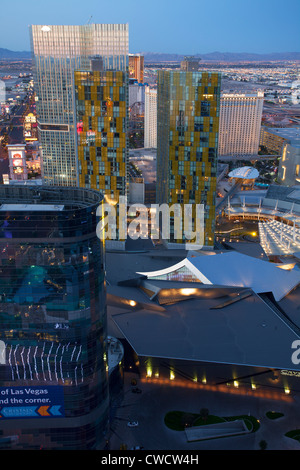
[237,269]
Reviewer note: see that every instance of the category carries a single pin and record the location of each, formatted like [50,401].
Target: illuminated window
[283,154]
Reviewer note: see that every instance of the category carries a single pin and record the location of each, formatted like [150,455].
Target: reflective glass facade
[102,123]
[136,67]
[53,319]
[57,51]
[187,142]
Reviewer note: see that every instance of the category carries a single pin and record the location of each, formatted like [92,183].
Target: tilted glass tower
[53,366]
[187,144]
[102,122]
[57,51]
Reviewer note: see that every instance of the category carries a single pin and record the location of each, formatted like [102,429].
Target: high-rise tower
[102,123]
[187,143]
[53,369]
[150,119]
[240,124]
[57,52]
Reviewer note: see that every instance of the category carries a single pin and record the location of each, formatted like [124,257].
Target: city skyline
[232,30]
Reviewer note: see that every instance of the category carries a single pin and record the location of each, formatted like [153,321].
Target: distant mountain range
[10,55]
[224,57]
[153,57]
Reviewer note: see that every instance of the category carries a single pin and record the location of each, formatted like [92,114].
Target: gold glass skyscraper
[187,142]
[102,120]
[58,51]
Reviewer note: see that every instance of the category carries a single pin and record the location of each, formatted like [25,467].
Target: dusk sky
[170,26]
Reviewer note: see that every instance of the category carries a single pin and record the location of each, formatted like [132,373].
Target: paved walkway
[150,407]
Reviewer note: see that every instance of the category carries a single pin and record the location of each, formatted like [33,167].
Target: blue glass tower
[53,376]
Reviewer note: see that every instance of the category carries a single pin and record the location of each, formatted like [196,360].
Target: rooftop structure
[244,176]
[31,207]
[281,202]
[232,269]
[284,193]
[244,172]
[228,324]
[291,134]
[70,198]
[211,335]
[278,238]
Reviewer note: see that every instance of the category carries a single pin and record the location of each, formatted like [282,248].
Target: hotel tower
[53,337]
[240,124]
[187,145]
[57,51]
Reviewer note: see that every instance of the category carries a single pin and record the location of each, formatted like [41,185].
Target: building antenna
[90,19]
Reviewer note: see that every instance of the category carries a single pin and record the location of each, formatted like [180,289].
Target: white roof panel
[237,269]
[245,172]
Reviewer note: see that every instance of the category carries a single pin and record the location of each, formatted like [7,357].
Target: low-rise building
[221,321]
